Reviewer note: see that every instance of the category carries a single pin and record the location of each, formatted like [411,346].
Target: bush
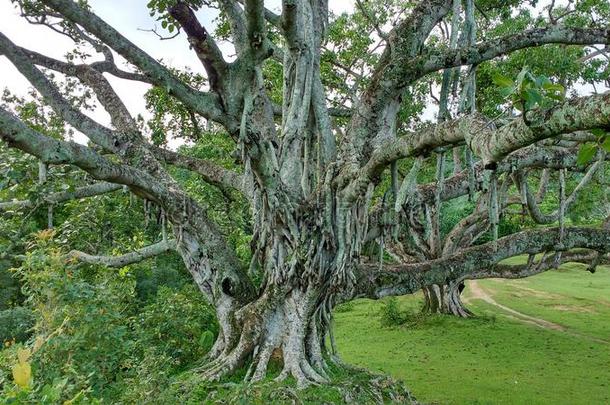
[391,315]
[178,324]
[94,339]
[15,324]
[82,316]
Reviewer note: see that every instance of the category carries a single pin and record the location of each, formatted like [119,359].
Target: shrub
[83,318]
[391,315]
[178,324]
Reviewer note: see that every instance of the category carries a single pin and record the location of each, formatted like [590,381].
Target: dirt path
[478,292]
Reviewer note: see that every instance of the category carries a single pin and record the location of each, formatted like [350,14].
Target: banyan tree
[318,142]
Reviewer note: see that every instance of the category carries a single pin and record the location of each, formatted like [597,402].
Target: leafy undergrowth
[493,358]
[349,385]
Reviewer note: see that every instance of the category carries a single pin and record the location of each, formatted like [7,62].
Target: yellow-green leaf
[22,374]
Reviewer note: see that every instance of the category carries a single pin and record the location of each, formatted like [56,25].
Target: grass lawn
[495,358]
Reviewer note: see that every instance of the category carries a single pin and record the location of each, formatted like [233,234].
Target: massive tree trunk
[304,236]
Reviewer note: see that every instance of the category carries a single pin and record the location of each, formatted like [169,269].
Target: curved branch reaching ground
[62,196]
[128,258]
[375,282]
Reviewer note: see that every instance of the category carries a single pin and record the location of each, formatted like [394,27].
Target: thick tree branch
[375,282]
[210,172]
[204,45]
[435,60]
[256,27]
[106,66]
[531,157]
[375,119]
[237,21]
[490,145]
[196,235]
[270,16]
[128,258]
[511,271]
[55,198]
[206,104]
[578,114]
[53,151]
[98,133]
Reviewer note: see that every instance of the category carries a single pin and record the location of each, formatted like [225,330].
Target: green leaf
[598,132]
[501,80]
[548,86]
[542,81]
[606,144]
[586,153]
[521,76]
[531,97]
[507,91]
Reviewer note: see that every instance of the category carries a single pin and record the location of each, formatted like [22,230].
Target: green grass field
[498,357]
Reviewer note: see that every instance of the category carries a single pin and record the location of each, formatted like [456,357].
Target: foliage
[528,91]
[587,151]
[391,315]
[81,316]
[170,118]
[90,334]
[183,339]
[15,324]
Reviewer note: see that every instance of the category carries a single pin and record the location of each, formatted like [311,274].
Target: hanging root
[493,207]
[562,204]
